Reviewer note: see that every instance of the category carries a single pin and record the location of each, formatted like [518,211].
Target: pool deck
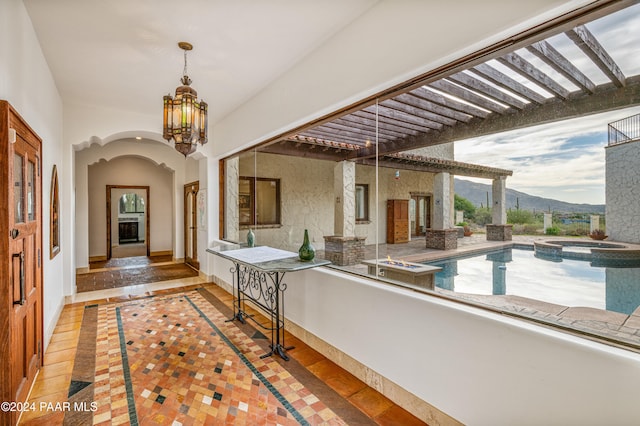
[597,324]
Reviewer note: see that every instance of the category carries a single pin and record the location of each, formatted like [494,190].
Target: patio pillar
[499,230]
[231,205]
[442,235]
[344,248]
[498,196]
[344,189]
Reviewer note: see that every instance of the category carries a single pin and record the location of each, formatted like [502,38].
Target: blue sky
[564,160]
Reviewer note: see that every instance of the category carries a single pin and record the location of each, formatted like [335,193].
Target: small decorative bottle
[306,252]
[251,238]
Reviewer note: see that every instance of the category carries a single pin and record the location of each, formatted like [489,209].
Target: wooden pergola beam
[500,79]
[549,55]
[523,67]
[472,83]
[583,38]
[606,98]
[468,96]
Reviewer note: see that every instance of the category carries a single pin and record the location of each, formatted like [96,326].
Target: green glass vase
[251,238]
[306,252]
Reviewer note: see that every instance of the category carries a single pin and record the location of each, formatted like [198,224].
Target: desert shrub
[520,216]
[532,228]
[483,216]
[461,203]
[527,229]
[554,230]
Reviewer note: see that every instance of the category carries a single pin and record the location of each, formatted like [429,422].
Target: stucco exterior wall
[622,192]
[307,198]
[306,191]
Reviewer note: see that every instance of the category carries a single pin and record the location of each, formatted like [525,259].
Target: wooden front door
[24,258]
[191,224]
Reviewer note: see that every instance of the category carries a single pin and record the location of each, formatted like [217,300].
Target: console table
[258,274]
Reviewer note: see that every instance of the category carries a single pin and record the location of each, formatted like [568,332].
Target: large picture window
[259,201]
[401,148]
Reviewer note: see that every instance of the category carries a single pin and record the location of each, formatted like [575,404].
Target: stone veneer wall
[622,192]
[344,251]
[442,239]
[499,232]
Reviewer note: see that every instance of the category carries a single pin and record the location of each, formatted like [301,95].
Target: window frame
[365,218]
[251,198]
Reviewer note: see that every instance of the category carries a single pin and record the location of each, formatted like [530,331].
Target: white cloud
[563,160]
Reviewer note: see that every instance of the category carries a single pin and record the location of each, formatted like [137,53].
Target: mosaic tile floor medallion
[173,360]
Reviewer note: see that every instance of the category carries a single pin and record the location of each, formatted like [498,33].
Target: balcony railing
[625,130]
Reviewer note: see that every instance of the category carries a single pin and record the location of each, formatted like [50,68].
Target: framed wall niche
[54,213]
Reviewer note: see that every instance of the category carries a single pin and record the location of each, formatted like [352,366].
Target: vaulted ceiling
[580,69]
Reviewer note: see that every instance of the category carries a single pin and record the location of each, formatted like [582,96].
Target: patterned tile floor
[165,355]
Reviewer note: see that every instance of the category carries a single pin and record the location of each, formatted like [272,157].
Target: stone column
[441,201]
[344,188]
[594,222]
[441,235]
[498,197]
[499,230]
[231,206]
[344,248]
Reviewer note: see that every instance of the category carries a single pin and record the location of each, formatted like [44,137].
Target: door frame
[147,215]
[416,196]
[192,187]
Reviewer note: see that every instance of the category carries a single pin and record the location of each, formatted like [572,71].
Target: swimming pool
[565,282]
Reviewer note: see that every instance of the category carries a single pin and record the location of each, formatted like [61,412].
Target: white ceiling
[124,53]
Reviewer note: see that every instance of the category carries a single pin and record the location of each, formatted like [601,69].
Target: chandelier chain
[184,72]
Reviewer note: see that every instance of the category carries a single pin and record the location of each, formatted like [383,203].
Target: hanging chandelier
[185,119]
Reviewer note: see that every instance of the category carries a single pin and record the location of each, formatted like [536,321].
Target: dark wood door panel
[21,251]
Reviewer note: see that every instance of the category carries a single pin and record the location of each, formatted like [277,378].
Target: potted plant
[467,231]
[598,234]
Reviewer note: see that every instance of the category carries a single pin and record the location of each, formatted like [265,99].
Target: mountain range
[477,194]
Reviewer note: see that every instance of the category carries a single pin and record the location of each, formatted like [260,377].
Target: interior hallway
[81,366]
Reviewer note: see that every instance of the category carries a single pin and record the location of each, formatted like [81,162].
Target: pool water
[562,281]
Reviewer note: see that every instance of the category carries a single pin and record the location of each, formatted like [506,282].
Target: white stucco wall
[26,82]
[159,153]
[622,192]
